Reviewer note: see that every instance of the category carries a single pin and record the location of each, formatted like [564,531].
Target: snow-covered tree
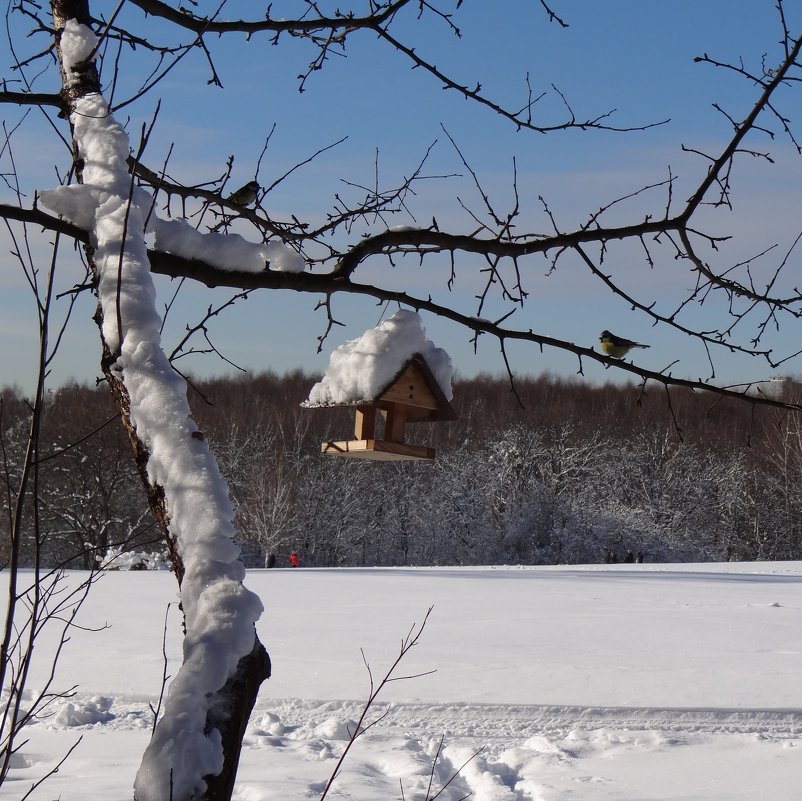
[134,219]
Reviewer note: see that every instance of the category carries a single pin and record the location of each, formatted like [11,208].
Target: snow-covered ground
[626,682]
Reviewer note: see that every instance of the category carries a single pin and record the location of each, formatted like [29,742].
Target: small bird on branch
[617,347]
[245,195]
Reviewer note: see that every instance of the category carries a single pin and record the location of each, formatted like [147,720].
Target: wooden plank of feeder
[396,420]
[365,422]
[378,450]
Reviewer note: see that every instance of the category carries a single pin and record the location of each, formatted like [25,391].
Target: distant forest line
[556,472]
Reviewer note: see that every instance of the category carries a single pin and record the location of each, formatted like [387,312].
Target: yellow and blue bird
[617,347]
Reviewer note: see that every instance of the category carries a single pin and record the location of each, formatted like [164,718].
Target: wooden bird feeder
[413,396]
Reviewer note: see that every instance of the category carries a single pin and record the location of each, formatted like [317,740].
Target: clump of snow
[76,203]
[220,614]
[77,43]
[270,724]
[117,559]
[226,251]
[335,728]
[88,713]
[359,370]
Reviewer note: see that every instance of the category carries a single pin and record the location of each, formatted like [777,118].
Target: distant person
[294,560]
[271,560]
[629,557]
[611,557]
[639,558]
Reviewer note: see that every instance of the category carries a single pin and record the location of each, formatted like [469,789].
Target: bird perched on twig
[245,195]
[617,347]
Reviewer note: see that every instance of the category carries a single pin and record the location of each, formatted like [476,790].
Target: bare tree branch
[340,22]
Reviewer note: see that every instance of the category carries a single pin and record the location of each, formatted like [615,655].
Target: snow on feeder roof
[395,370]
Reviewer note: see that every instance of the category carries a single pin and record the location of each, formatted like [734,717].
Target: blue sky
[636,57]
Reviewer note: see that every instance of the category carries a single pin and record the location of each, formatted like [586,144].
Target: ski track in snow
[491,752]
[499,722]
[491,721]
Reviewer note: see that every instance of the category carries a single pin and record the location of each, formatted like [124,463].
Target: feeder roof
[361,370]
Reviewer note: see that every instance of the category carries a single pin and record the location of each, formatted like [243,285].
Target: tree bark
[229,714]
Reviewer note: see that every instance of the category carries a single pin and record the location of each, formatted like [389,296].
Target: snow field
[592,683]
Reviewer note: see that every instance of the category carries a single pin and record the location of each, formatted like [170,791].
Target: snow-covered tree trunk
[195,747]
